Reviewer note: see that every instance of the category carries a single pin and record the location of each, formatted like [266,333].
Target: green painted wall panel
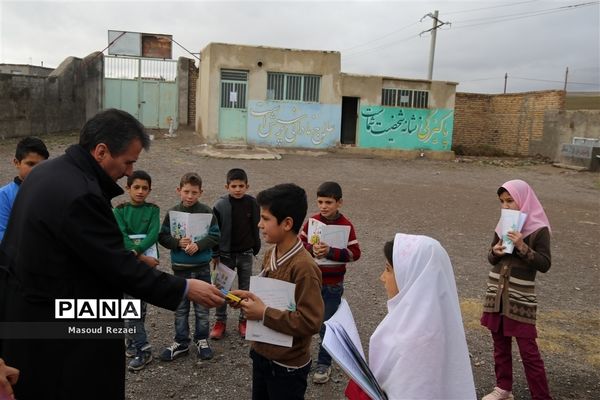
[405,128]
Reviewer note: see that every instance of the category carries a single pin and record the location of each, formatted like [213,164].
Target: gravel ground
[454,202]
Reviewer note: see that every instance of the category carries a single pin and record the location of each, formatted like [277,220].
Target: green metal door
[145,88]
[233,113]
[149,104]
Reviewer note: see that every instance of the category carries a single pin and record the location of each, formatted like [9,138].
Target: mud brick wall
[507,122]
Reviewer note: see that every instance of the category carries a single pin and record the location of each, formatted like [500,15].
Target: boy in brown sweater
[280,372]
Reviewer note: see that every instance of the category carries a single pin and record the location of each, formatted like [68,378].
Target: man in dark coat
[62,242]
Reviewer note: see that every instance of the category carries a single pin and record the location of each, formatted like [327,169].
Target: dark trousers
[532,363]
[332,297]
[271,381]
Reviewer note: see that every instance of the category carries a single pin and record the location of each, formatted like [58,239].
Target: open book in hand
[510,220]
[223,276]
[335,236]
[194,226]
[152,251]
[342,342]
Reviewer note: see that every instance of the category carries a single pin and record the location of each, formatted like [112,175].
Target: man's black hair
[31,144]
[285,200]
[115,128]
[139,174]
[237,174]
[330,189]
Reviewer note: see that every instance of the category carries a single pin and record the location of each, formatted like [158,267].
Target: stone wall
[560,127]
[62,101]
[505,122]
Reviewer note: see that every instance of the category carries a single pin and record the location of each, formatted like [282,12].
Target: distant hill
[582,101]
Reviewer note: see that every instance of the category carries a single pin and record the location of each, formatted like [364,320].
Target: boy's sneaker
[218,331]
[173,351]
[204,350]
[130,351]
[322,373]
[140,360]
[242,328]
[498,394]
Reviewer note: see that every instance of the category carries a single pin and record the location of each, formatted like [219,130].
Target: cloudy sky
[533,41]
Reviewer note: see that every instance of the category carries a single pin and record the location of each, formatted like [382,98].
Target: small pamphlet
[195,226]
[152,251]
[335,236]
[223,277]
[510,220]
[275,294]
[342,342]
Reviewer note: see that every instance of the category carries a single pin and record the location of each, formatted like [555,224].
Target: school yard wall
[62,101]
[505,122]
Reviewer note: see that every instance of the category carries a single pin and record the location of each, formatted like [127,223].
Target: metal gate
[145,88]
[233,113]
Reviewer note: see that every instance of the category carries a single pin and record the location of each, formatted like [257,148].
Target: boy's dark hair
[388,252]
[330,189]
[191,178]
[115,128]
[139,174]
[237,174]
[31,144]
[285,200]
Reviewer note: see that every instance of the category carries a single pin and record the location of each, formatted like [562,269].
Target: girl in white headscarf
[419,350]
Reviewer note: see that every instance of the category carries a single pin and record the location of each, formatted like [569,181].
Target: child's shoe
[218,331]
[173,351]
[204,350]
[242,328]
[130,351]
[140,360]
[498,394]
[322,373]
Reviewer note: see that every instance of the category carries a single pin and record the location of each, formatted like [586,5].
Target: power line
[382,46]
[381,37]
[513,17]
[488,8]
[548,80]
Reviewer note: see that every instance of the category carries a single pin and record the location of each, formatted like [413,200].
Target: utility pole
[566,76]
[436,24]
[505,79]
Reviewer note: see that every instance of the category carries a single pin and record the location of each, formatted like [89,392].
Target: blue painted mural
[293,124]
[405,128]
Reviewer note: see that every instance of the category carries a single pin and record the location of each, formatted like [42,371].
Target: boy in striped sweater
[329,201]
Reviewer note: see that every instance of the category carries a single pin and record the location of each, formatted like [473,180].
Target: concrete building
[25,69]
[300,98]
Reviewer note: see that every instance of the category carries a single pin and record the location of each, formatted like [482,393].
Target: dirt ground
[454,202]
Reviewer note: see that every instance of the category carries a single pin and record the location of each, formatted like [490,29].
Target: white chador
[419,350]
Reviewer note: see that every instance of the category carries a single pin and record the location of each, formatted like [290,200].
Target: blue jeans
[332,297]
[243,262]
[138,340]
[182,328]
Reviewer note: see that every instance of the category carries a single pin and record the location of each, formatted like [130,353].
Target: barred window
[233,88]
[388,97]
[295,87]
[404,98]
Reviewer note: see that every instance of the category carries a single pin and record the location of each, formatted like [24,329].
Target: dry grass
[560,331]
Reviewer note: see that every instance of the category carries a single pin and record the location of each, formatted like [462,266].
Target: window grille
[404,98]
[295,87]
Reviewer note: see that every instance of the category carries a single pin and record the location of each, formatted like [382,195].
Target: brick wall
[192,79]
[506,122]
